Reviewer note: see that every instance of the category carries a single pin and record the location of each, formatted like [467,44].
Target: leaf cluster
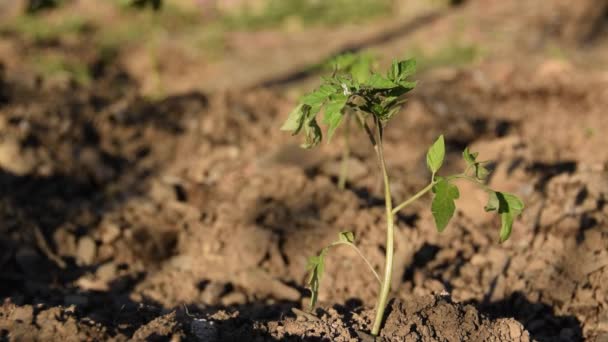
[507,205]
[353,88]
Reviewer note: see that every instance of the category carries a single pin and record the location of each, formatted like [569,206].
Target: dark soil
[191,217]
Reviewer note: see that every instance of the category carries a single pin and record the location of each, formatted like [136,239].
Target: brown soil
[191,217]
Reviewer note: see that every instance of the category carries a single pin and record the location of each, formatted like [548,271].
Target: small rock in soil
[106,272]
[87,250]
[109,233]
[234,298]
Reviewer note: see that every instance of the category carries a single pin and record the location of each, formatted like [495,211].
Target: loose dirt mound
[419,319]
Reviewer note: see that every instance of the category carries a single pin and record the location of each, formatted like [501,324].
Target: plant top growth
[370,99]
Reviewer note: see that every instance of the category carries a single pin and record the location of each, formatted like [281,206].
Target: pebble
[14,160]
[106,272]
[86,250]
[234,298]
[109,233]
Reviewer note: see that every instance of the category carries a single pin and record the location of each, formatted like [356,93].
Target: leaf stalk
[414,198]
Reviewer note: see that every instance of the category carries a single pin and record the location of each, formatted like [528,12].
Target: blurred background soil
[147,193]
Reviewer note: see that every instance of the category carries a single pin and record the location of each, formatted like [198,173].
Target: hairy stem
[385,287]
[345,156]
[369,264]
[413,198]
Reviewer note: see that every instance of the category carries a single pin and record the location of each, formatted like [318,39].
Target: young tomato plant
[372,100]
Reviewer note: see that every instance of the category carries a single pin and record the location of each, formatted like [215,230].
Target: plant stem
[471,179]
[413,198]
[369,264]
[345,156]
[385,287]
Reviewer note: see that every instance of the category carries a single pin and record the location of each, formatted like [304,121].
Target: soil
[190,217]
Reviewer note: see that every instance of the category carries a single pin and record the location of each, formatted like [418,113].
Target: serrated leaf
[506,226]
[313,134]
[469,158]
[392,102]
[508,207]
[377,81]
[479,170]
[294,120]
[493,202]
[346,237]
[357,65]
[435,155]
[443,206]
[361,71]
[400,70]
[333,114]
[319,96]
[407,85]
[316,267]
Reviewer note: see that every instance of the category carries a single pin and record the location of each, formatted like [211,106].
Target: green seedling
[372,100]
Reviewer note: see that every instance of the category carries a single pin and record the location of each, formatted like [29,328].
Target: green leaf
[377,81]
[318,97]
[361,71]
[407,85]
[316,266]
[333,114]
[443,206]
[357,65]
[400,70]
[470,158]
[313,134]
[435,155]
[346,237]
[294,120]
[508,207]
[493,202]
[481,172]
